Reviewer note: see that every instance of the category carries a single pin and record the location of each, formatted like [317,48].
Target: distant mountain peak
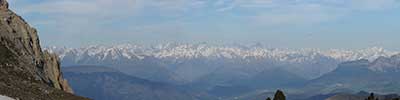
[380,64]
[386,64]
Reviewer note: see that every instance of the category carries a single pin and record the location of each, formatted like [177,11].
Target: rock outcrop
[26,72]
[3,4]
[53,72]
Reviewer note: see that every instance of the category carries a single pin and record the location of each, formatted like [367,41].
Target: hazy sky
[278,23]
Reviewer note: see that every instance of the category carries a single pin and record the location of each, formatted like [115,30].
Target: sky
[276,23]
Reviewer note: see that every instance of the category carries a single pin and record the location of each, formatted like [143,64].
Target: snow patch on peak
[386,64]
[307,62]
[204,50]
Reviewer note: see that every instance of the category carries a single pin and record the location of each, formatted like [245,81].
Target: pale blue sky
[277,23]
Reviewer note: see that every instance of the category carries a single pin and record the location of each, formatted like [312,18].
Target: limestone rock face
[26,72]
[3,4]
[53,73]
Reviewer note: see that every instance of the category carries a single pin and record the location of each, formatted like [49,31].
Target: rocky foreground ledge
[27,72]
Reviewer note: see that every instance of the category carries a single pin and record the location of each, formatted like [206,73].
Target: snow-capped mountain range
[192,51]
[191,62]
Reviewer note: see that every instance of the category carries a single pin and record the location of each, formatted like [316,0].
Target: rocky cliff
[27,72]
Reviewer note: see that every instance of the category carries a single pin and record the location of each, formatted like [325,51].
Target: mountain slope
[102,83]
[26,72]
[270,79]
[380,76]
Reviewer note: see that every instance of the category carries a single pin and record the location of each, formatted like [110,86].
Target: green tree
[268,98]
[279,95]
[372,97]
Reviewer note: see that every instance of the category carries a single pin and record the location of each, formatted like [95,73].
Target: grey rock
[26,71]
[3,4]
